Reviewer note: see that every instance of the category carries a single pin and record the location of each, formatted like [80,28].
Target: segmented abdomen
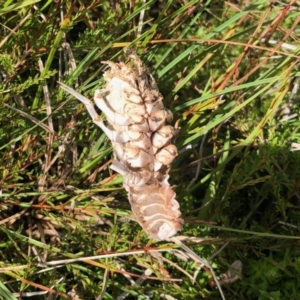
[142,146]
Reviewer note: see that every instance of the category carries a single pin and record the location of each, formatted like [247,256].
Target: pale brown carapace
[142,143]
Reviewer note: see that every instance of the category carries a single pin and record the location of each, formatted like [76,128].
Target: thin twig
[104,285]
[4,40]
[102,256]
[48,154]
[29,117]
[138,282]
[141,19]
[200,260]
